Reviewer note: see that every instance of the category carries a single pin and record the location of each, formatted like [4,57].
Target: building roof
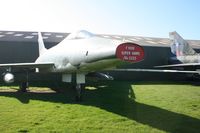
[56,37]
[22,36]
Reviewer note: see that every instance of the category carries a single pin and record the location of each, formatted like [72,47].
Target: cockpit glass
[82,34]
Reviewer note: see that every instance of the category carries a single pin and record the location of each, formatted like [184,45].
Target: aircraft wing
[157,70]
[179,65]
[27,65]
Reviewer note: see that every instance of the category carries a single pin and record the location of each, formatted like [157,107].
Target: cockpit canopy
[81,34]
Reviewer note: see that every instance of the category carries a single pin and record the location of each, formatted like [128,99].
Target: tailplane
[41,46]
[179,46]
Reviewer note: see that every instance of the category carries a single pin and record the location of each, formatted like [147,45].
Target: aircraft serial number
[133,58]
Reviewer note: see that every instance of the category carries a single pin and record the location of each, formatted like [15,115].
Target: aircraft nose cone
[130,52]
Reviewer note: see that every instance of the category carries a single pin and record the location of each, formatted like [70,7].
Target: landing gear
[80,84]
[79,90]
[24,86]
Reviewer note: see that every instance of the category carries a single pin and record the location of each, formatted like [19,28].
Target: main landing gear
[79,90]
[80,84]
[25,84]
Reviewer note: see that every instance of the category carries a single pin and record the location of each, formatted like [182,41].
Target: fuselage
[82,55]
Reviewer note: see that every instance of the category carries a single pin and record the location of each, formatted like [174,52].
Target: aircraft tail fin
[42,48]
[179,46]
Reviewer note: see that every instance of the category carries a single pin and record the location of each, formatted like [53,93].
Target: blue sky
[153,18]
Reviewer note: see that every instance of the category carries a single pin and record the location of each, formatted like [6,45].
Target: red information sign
[130,52]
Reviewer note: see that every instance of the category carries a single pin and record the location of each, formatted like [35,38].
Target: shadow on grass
[118,98]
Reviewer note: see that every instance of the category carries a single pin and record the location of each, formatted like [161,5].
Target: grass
[107,107]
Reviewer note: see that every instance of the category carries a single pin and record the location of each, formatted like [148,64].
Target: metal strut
[25,84]
[80,81]
[79,91]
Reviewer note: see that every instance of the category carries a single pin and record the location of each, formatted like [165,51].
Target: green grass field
[107,107]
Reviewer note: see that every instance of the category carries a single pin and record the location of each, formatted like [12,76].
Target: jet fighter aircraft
[79,53]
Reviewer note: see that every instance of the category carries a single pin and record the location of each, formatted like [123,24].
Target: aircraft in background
[80,53]
[184,54]
[186,59]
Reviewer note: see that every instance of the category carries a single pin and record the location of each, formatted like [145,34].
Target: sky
[150,18]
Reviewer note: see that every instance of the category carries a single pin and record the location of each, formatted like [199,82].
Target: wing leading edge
[157,70]
[180,65]
[27,65]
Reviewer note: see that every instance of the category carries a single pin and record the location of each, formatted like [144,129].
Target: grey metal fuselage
[81,55]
